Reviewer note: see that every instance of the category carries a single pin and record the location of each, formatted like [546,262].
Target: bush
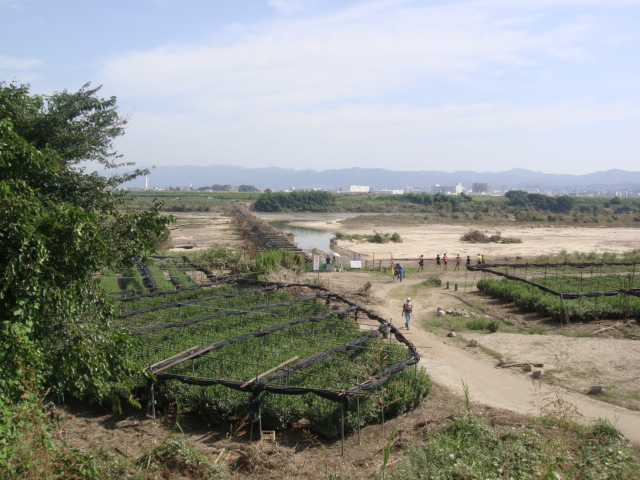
[432,281]
[475,236]
[510,240]
[178,457]
[488,324]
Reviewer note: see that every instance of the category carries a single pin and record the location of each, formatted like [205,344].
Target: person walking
[445,261]
[394,271]
[438,261]
[400,271]
[458,260]
[421,263]
[407,309]
[479,259]
[468,261]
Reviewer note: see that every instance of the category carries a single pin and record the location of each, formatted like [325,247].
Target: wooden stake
[269,371]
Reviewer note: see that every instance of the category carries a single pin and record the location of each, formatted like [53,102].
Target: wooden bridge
[261,233]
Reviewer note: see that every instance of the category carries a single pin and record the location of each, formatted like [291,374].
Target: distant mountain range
[285,178]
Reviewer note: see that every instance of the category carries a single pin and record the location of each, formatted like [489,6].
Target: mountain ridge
[377,178]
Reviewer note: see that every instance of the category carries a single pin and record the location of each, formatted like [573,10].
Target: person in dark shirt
[407,309]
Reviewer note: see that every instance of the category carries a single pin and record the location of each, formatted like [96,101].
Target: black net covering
[571,281]
[257,336]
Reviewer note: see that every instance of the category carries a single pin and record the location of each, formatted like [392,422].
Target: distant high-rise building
[355,189]
[481,188]
[448,190]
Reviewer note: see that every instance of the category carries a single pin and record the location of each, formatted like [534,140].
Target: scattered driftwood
[538,365]
[617,325]
[219,456]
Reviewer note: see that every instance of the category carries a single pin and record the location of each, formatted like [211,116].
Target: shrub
[510,240]
[175,455]
[433,281]
[489,324]
[474,236]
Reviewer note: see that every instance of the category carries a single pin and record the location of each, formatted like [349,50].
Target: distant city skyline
[482,85]
[608,182]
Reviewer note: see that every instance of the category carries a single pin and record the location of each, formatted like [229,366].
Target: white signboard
[316,263]
[356,263]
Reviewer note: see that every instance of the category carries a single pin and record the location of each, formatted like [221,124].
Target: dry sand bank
[432,239]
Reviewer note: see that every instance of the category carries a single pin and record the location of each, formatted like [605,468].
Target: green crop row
[219,404]
[581,282]
[243,360]
[529,298]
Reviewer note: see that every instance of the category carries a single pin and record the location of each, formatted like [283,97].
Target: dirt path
[450,363]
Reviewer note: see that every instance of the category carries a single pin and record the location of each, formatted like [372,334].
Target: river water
[306,238]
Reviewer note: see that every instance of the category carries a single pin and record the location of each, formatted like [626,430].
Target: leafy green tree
[60,227]
[300,201]
[517,198]
[248,188]
[564,204]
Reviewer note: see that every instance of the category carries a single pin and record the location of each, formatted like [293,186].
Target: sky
[448,85]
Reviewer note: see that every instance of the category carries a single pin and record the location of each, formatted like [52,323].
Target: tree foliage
[300,201]
[520,198]
[61,226]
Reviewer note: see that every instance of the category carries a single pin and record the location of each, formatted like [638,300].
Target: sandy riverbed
[432,239]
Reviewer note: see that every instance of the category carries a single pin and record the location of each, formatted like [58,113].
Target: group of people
[442,263]
[398,271]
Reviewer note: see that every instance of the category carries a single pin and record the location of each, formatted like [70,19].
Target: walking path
[451,365]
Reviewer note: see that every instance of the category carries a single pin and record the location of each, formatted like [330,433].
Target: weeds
[386,456]
[175,455]
[469,448]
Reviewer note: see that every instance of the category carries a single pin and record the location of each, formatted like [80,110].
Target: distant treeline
[322,201]
[228,188]
[301,200]
[561,204]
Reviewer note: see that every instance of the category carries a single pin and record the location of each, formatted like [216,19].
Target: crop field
[568,291]
[284,352]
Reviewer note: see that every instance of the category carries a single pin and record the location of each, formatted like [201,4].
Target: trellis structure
[572,281]
[255,336]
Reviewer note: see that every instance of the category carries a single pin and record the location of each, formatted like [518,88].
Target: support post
[152,403]
[358,407]
[342,428]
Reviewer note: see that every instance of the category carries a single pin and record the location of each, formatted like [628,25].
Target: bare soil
[502,395]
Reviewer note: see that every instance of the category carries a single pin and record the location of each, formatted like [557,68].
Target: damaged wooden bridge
[261,233]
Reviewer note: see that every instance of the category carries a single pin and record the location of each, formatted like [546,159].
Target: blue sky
[486,85]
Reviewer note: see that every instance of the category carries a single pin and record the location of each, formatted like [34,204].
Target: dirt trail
[450,364]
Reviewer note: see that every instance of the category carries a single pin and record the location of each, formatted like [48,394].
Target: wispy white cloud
[289,6]
[378,80]
[13,63]
[355,53]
